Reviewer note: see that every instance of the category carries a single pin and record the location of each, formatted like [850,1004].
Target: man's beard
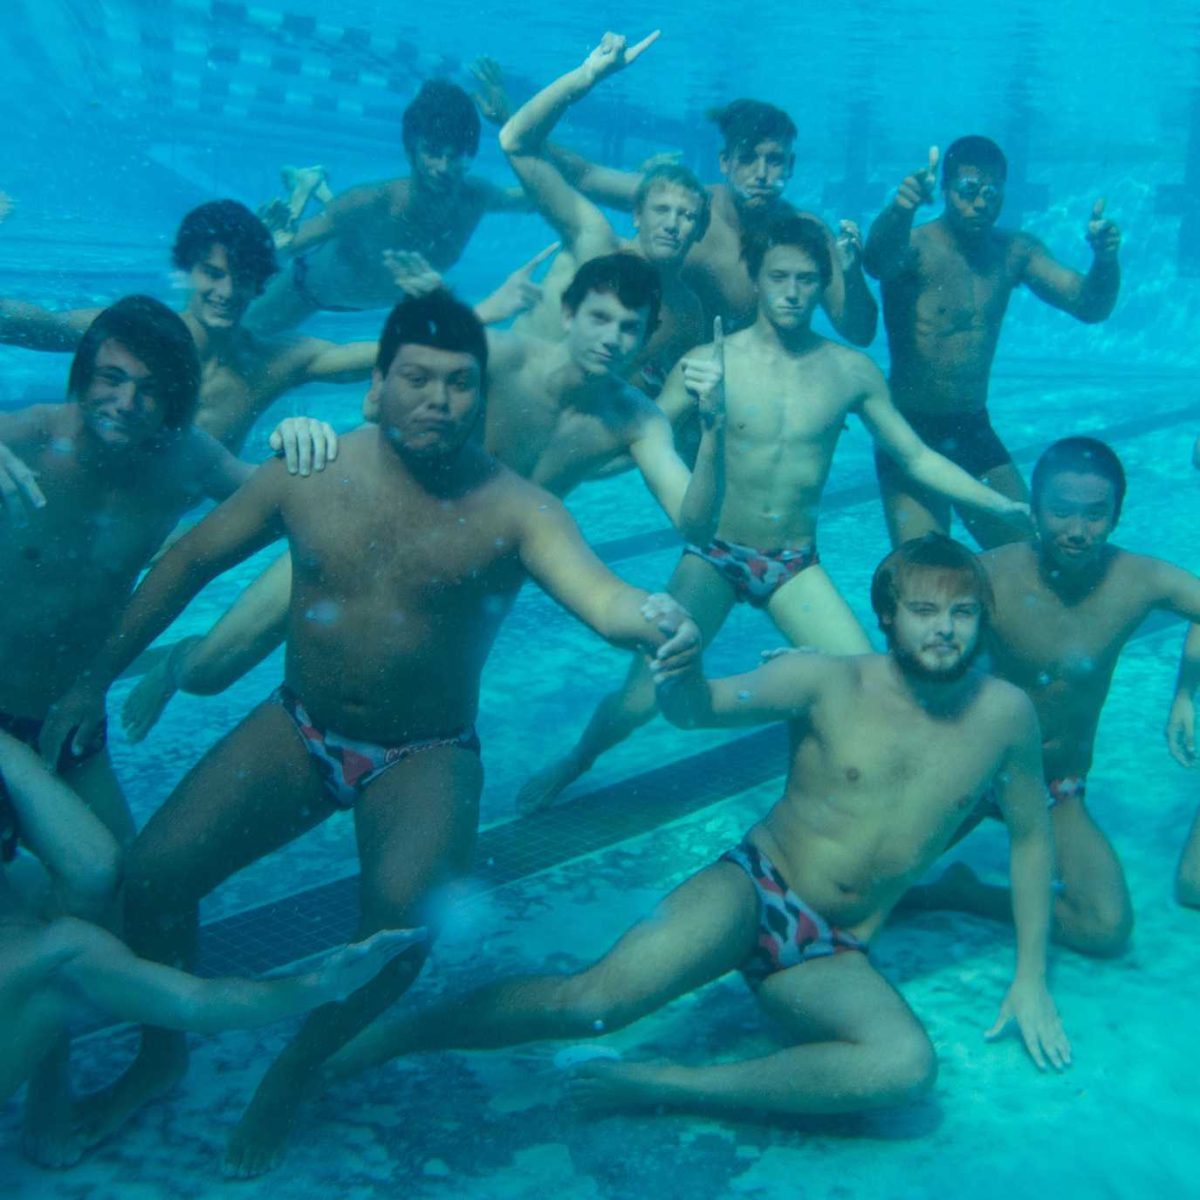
[912,666]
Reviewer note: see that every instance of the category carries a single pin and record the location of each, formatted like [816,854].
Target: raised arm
[1021,796]
[249,520]
[781,689]
[847,300]
[691,499]
[527,129]
[895,436]
[1089,298]
[888,251]
[37,328]
[553,552]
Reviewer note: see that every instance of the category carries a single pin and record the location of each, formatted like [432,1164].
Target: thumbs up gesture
[704,378]
[1103,235]
[919,187]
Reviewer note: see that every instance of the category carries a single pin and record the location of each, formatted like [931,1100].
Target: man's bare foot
[541,790]
[152,1075]
[258,1143]
[303,184]
[949,891]
[48,1137]
[601,1086]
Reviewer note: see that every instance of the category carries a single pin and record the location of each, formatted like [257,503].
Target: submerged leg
[708,597]
[255,791]
[862,1049]
[416,827]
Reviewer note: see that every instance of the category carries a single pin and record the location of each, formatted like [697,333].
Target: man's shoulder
[1001,704]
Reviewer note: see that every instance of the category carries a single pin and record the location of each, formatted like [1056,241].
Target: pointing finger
[933,160]
[541,256]
[642,46]
[1098,210]
[718,340]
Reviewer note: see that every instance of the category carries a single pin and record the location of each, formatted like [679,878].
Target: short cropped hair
[155,336]
[439,320]
[934,552]
[748,122]
[443,114]
[247,241]
[678,176]
[974,151]
[788,230]
[633,281]
[1083,456]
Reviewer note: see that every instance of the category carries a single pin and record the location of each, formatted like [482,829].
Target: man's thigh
[910,510]
[253,792]
[809,611]
[416,825]
[1088,866]
[840,997]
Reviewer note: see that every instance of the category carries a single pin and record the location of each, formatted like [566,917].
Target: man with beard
[410,555]
[1065,607]
[873,795]
[757,161]
[946,287]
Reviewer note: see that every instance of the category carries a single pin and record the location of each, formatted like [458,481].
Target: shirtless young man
[419,550]
[228,256]
[1065,607]
[670,213]
[872,798]
[788,395]
[338,258]
[757,161]
[946,286]
[54,971]
[557,413]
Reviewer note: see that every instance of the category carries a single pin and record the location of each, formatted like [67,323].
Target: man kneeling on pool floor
[890,754]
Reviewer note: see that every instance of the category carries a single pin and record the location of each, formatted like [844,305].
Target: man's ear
[371,401]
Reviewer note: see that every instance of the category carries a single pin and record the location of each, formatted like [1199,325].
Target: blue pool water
[124,115]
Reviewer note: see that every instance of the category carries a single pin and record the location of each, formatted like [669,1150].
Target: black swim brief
[300,283]
[967,439]
[10,832]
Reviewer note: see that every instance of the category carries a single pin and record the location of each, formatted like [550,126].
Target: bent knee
[1102,930]
[909,1067]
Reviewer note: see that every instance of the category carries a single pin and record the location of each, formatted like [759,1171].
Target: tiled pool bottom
[494,1125]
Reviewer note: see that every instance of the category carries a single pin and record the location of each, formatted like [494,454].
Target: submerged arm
[894,435]
[38,328]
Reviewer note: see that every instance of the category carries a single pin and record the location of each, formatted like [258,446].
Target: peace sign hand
[518,293]
[704,378]
[612,56]
[1103,235]
[849,245]
[492,97]
[919,187]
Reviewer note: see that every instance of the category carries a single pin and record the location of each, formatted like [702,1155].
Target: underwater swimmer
[1065,607]
[946,287]
[557,413]
[227,255]
[788,395]
[338,258]
[670,213]
[54,972]
[757,161]
[872,797]
[404,569]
